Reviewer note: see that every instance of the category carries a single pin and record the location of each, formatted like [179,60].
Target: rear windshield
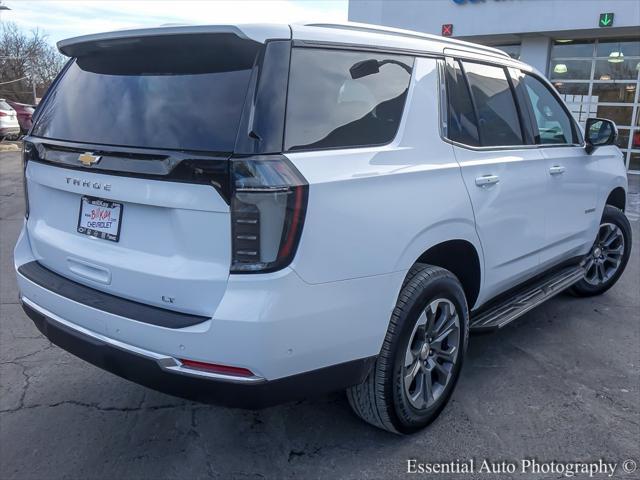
[4,105]
[183,93]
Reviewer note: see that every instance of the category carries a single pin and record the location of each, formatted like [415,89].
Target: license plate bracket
[100,218]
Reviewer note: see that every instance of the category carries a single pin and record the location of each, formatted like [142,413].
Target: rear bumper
[4,131]
[165,374]
[89,297]
[299,339]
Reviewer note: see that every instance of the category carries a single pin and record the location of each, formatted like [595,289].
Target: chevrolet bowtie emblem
[87,159]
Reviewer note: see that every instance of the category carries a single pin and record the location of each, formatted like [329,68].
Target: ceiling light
[616,57]
[630,88]
[605,77]
[560,68]
[563,41]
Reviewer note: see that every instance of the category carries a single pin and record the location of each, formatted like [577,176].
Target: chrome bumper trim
[165,362]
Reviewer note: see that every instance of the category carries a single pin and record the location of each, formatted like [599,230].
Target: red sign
[447,29]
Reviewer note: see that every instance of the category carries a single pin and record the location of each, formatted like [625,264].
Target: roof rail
[365,27]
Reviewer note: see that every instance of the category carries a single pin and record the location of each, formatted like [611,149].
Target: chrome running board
[521,302]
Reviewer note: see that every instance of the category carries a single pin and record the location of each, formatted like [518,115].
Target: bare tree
[26,59]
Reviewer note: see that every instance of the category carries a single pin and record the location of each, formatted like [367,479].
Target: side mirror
[364,68]
[600,132]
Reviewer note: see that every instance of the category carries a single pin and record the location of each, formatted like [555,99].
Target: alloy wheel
[431,354]
[606,255]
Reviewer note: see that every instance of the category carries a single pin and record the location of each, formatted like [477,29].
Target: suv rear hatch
[127,165]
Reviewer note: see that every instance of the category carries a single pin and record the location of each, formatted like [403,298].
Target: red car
[25,113]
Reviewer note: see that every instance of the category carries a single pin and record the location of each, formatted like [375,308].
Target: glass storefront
[602,78]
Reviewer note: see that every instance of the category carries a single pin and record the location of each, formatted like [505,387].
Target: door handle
[485,180]
[556,170]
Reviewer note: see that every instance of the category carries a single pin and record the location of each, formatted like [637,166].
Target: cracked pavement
[561,383]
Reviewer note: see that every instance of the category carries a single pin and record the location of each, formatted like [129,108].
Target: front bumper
[166,374]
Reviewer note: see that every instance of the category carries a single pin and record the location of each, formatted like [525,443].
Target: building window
[602,78]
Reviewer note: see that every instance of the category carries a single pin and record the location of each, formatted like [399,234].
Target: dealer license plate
[100,218]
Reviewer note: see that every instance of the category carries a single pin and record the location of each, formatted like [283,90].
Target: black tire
[611,216]
[382,399]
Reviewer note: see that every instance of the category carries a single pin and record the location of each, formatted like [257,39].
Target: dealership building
[589,49]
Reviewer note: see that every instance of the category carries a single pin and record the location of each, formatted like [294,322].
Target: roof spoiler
[76,46]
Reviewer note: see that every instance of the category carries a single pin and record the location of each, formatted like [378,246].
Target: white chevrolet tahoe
[252,214]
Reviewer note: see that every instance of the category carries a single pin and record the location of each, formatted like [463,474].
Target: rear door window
[344,99]
[182,93]
[498,118]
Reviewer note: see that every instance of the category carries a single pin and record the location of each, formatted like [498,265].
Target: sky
[69,18]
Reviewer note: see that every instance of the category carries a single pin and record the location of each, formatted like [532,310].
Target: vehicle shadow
[320,437]
[517,385]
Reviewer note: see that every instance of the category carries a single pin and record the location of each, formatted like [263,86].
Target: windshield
[183,93]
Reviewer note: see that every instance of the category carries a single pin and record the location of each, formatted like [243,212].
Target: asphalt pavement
[562,383]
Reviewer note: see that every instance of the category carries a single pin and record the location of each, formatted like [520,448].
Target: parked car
[292,210]
[9,126]
[25,112]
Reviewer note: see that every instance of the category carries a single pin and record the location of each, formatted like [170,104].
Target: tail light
[28,150]
[268,206]
[3,114]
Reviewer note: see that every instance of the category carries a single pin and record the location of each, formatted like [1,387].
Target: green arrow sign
[606,20]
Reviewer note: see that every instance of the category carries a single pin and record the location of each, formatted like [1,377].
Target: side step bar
[521,302]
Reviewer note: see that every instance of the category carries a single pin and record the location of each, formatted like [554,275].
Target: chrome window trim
[442,99]
[486,59]
[363,48]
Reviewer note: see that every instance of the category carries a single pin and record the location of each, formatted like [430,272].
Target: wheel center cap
[424,351]
[597,252]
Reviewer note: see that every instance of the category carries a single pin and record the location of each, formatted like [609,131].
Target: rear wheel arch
[461,258]
[617,198]
[384,398]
